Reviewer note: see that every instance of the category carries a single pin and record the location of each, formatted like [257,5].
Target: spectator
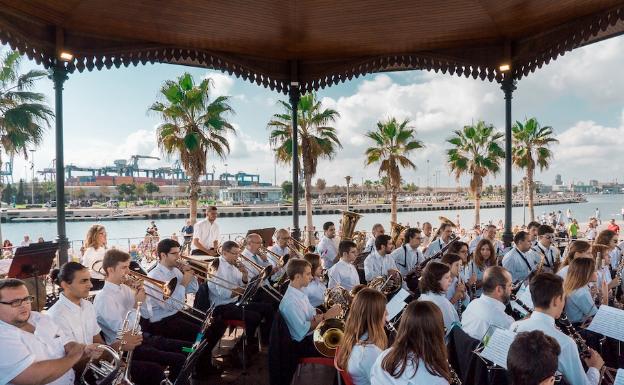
[7,246]
[40,240]
[187,232]
[573,229]
[26,241]
[613,226]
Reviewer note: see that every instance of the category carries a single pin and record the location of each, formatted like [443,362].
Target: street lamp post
[348,179]
[524,200]
[32,181]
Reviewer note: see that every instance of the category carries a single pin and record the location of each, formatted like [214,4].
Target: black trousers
[254,313]
[154,355]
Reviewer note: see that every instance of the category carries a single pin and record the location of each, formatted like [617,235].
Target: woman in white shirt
[418,355]
[434,283]
[577,249]
[456,292]
[606,241]
[316,288]
[95,247]
[580,304]
[484,256]
[364,336]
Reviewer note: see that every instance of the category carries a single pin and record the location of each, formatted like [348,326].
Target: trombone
[300,248]
[276,258]
[273,292]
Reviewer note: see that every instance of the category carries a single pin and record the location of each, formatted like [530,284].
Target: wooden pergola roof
[314,42]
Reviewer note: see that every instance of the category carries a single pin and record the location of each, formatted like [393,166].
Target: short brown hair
[544,288]
[494,277]
[345,247]
[112,258]
[314,260]
[532,358]
[296,266]
[431,276]
[10,283]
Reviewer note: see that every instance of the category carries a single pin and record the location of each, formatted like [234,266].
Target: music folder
[396,305]
[495,345]
[266,234]
[608,321]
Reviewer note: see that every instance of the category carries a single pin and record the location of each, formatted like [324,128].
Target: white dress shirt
[579,305]
[207,233]
[315,292]
[406,258]
[251,269]
[78,322]
[220,295]
[297,312]
[482,313]
[363,356]
[550,256]
[411,375]
[434,247]
[343,274]
[173,304]
[328,251]
[616,255]
[569,360]
[370,244]
[112,304]
[563,272]
[92,255]
[446,307]
[518,264]
[498,245]
[279,251]
[376,265]
[20,349]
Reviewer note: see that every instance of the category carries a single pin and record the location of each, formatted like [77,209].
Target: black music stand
[33,261]
[266,234]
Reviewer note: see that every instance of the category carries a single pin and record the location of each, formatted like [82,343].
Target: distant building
[593,182]
[584,189]
[558,180]
[242,195]
[560,188]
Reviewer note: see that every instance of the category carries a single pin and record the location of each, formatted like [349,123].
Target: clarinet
[523,305]
[565,326]
[455,380]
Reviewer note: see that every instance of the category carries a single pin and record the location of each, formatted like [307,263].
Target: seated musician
[576,249]
[580,305]
[433,284]
[408,256]
[376,231]
[206,234]
[606,241]
[77,319]
[379,262]
[484,257]
[532,359]
[364,335]
[326,247]
[251,254]
[418,354]
[489,309]
[225,291]
[344,272]
[315,290]
[34,349]
[445,231]
[549,300]
[280,247]
[457,291]
[545,249]
[532,229]
[298,313]
[518,261]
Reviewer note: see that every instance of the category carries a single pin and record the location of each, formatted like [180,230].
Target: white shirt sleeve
[14,356]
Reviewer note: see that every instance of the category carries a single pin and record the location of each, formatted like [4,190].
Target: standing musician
[489,309]
[344,272]
[408,256]
[418,354]
[577,249]
[364,335]
[545,249]
[532,229]
[206,234]
[518,261]
[489,233]
[379,262]
[580,305]
[445,232]
[316,288]
[532,359]
[95,247]
[433,284]
[326,247]
[77,318]
[427,236]
[483,257]
[34,349]
[549,300]
[376,231]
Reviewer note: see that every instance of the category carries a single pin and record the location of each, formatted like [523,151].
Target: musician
[376,231]
[518,261]
[532,229]
[489,233]
[489,309]
[580,305]
[484,256]
[315,290]
[408,256]
[251,252]
[344,272]
[95,247]
[548,297]
[34,349]
[364,335]
[326,247]
[206,234]
[606,241]
[434,283]
[379,262]
[418,354]
[577,249]
[616,255]
[457,292]
[281,246]
[445,232]
[78,320]
[532,359]
[545,249]
[427,235]
[297,311]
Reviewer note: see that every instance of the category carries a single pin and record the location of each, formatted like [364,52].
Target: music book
[608,321]
[496,345]
[397,303]
[619,377]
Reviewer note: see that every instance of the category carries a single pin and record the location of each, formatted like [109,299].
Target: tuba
[396,230]
[349,220]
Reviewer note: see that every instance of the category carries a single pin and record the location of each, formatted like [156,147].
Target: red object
[614,227]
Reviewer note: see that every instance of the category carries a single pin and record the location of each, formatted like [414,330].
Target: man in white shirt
[377,230]
[26,241]
[255,260]
[488,233]
[206,234]
[544,249]
[34,349]
[445,231]
[280,248]
[427,236]
[408,256]
[518,261]
[327,246]
[549,300]
[379,262]
[344,273]
[532,229]
[489,309]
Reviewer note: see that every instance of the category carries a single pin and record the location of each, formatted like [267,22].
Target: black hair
[545,229]
[9,283]
[411,233]
[327,225]
[166,245]
[345,247]
[229,245]
[66,273]
[533,224]
[520,236]
[544,287]
[532,358]
[381,240]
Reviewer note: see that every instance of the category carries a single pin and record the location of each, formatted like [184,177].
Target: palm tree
[477,152]
[24,116]
[317,139]
[394,142]
[531,144]
[194,124]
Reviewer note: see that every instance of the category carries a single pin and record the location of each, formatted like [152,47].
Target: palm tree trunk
[308,200]
[477,207]
[193,196]
[530,187]
[393,206]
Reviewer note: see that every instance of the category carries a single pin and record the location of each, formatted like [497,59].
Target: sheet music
[608,321]
[397,303]
[524,295]
[497,346]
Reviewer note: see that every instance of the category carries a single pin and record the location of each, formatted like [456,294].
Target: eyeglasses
[548,236]
[18,302]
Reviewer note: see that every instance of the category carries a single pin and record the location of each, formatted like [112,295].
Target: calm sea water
[609,206]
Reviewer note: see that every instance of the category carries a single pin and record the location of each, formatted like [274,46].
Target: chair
[325,361]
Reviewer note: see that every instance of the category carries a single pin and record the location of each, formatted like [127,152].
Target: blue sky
[580,95]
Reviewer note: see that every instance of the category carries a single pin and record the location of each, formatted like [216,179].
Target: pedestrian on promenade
[613,226]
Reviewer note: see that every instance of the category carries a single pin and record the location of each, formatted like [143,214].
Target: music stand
[266,234]
[33,261]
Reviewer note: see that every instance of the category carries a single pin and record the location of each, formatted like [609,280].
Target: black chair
[282,353]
